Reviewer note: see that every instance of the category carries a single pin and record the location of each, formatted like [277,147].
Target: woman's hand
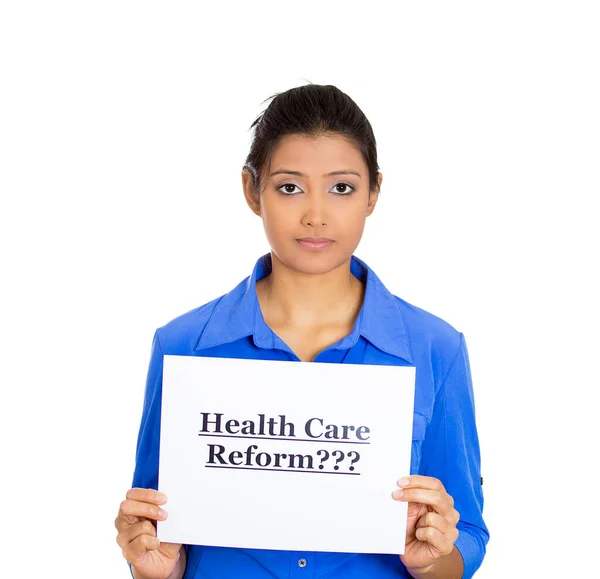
[431,528]
[137,538]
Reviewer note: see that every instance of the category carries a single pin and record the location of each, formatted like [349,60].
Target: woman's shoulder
[427,331]
[181,334]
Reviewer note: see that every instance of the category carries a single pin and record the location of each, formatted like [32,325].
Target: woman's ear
[374,195]
[250,193]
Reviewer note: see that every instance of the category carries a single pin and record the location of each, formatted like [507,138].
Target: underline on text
[320,440]
[281,469]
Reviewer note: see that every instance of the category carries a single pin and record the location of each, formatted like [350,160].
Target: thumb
[414,509]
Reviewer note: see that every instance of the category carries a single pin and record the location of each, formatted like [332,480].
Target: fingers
[439,501]
[141,504]
[147,496]
[135,522]
[430,520]
[441,542]
[428,491]
[437,531]
[435,520]
[419,480]
[438,526]
[131,532]
[130,511]
[140,545]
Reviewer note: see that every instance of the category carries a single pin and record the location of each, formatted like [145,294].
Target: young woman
[313,178]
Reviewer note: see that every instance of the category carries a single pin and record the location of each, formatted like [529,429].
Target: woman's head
[312,173]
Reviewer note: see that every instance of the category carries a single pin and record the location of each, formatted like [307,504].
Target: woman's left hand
[431,528]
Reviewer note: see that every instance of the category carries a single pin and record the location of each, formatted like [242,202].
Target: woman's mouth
[315,243]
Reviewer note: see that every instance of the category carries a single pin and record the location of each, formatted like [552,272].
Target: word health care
[269,428]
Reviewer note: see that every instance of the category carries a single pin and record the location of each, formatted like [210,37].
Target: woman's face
[301,198]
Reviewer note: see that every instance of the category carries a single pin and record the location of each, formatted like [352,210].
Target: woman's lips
[315,244]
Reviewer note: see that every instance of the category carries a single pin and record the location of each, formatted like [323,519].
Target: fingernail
[403,482]
[162,497]
[162,514]
[398,494]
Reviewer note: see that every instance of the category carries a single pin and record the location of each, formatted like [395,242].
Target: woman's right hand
[137,538]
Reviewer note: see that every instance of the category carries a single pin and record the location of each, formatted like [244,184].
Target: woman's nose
[315,210]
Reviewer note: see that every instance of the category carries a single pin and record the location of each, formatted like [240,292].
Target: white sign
[285,455]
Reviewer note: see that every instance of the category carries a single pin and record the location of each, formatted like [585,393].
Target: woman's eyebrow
[342,172]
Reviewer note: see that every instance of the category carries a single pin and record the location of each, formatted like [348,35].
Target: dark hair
[310,110]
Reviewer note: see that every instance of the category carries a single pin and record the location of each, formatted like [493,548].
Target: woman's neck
[290,298]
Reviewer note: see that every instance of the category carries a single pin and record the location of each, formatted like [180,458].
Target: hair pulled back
[312,110]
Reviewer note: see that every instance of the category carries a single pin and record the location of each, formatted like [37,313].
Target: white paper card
[285,455]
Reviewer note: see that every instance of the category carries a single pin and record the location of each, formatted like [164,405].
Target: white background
[123,131]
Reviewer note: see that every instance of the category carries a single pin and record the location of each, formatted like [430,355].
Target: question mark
[336,467]
[326,455]
[355,459]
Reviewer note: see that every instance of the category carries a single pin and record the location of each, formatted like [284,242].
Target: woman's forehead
[322,150]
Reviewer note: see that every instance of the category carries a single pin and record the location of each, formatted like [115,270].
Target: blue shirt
[387,331]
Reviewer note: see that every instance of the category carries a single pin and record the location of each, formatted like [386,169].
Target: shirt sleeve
[145,475]
[451,454]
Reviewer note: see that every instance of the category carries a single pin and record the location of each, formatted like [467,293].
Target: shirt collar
[237,315]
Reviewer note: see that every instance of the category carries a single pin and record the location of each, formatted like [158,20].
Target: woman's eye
[345,189]
[287,188]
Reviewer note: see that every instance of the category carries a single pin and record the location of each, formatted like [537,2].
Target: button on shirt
[387,331]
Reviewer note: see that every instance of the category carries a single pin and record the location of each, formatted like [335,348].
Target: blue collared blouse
[387,331]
